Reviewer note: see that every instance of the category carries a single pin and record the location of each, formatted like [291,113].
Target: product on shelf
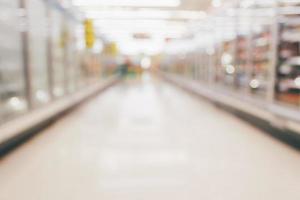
[288,61]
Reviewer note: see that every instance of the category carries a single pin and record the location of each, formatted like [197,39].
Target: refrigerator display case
[59,35]
[261,56]
[12,83]
[288,60]
[38,51]
[191,65]
[204,66]
[228,68]
[242,57]
[226,50]
[217,64]
[194,65]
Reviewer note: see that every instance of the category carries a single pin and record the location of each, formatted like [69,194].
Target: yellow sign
[111,49]
[89,33]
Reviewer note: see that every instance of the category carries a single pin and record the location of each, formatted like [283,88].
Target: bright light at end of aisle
[129,3]
[146,63]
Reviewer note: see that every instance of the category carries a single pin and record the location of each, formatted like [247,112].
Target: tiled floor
[146,140]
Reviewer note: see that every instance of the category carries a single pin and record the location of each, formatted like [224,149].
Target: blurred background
[113,87]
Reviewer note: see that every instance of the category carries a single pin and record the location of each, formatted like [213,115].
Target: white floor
[146,140]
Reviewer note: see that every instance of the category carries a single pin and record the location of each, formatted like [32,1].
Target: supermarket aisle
[146,140]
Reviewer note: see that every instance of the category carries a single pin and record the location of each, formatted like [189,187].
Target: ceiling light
[247,3]
[140,25]
[146,14]
[216,3]
[128,3]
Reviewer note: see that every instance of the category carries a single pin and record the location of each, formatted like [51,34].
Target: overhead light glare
[216,3]
[146,14]
[128,3]
[146,63]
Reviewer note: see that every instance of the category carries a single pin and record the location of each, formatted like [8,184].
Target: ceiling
[120,20]
[182,4]
[195,4]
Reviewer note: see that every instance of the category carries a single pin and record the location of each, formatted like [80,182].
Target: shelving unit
[288,59]
[242,63]
[11,73]
[261,58]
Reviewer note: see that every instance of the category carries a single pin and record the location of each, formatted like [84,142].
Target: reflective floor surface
[147,140]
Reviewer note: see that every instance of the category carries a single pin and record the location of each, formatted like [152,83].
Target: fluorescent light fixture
[152,27]
[129,24]
[247,3]
[146,14]
[216,3]
[128,3]
[126,14]
[288,1]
